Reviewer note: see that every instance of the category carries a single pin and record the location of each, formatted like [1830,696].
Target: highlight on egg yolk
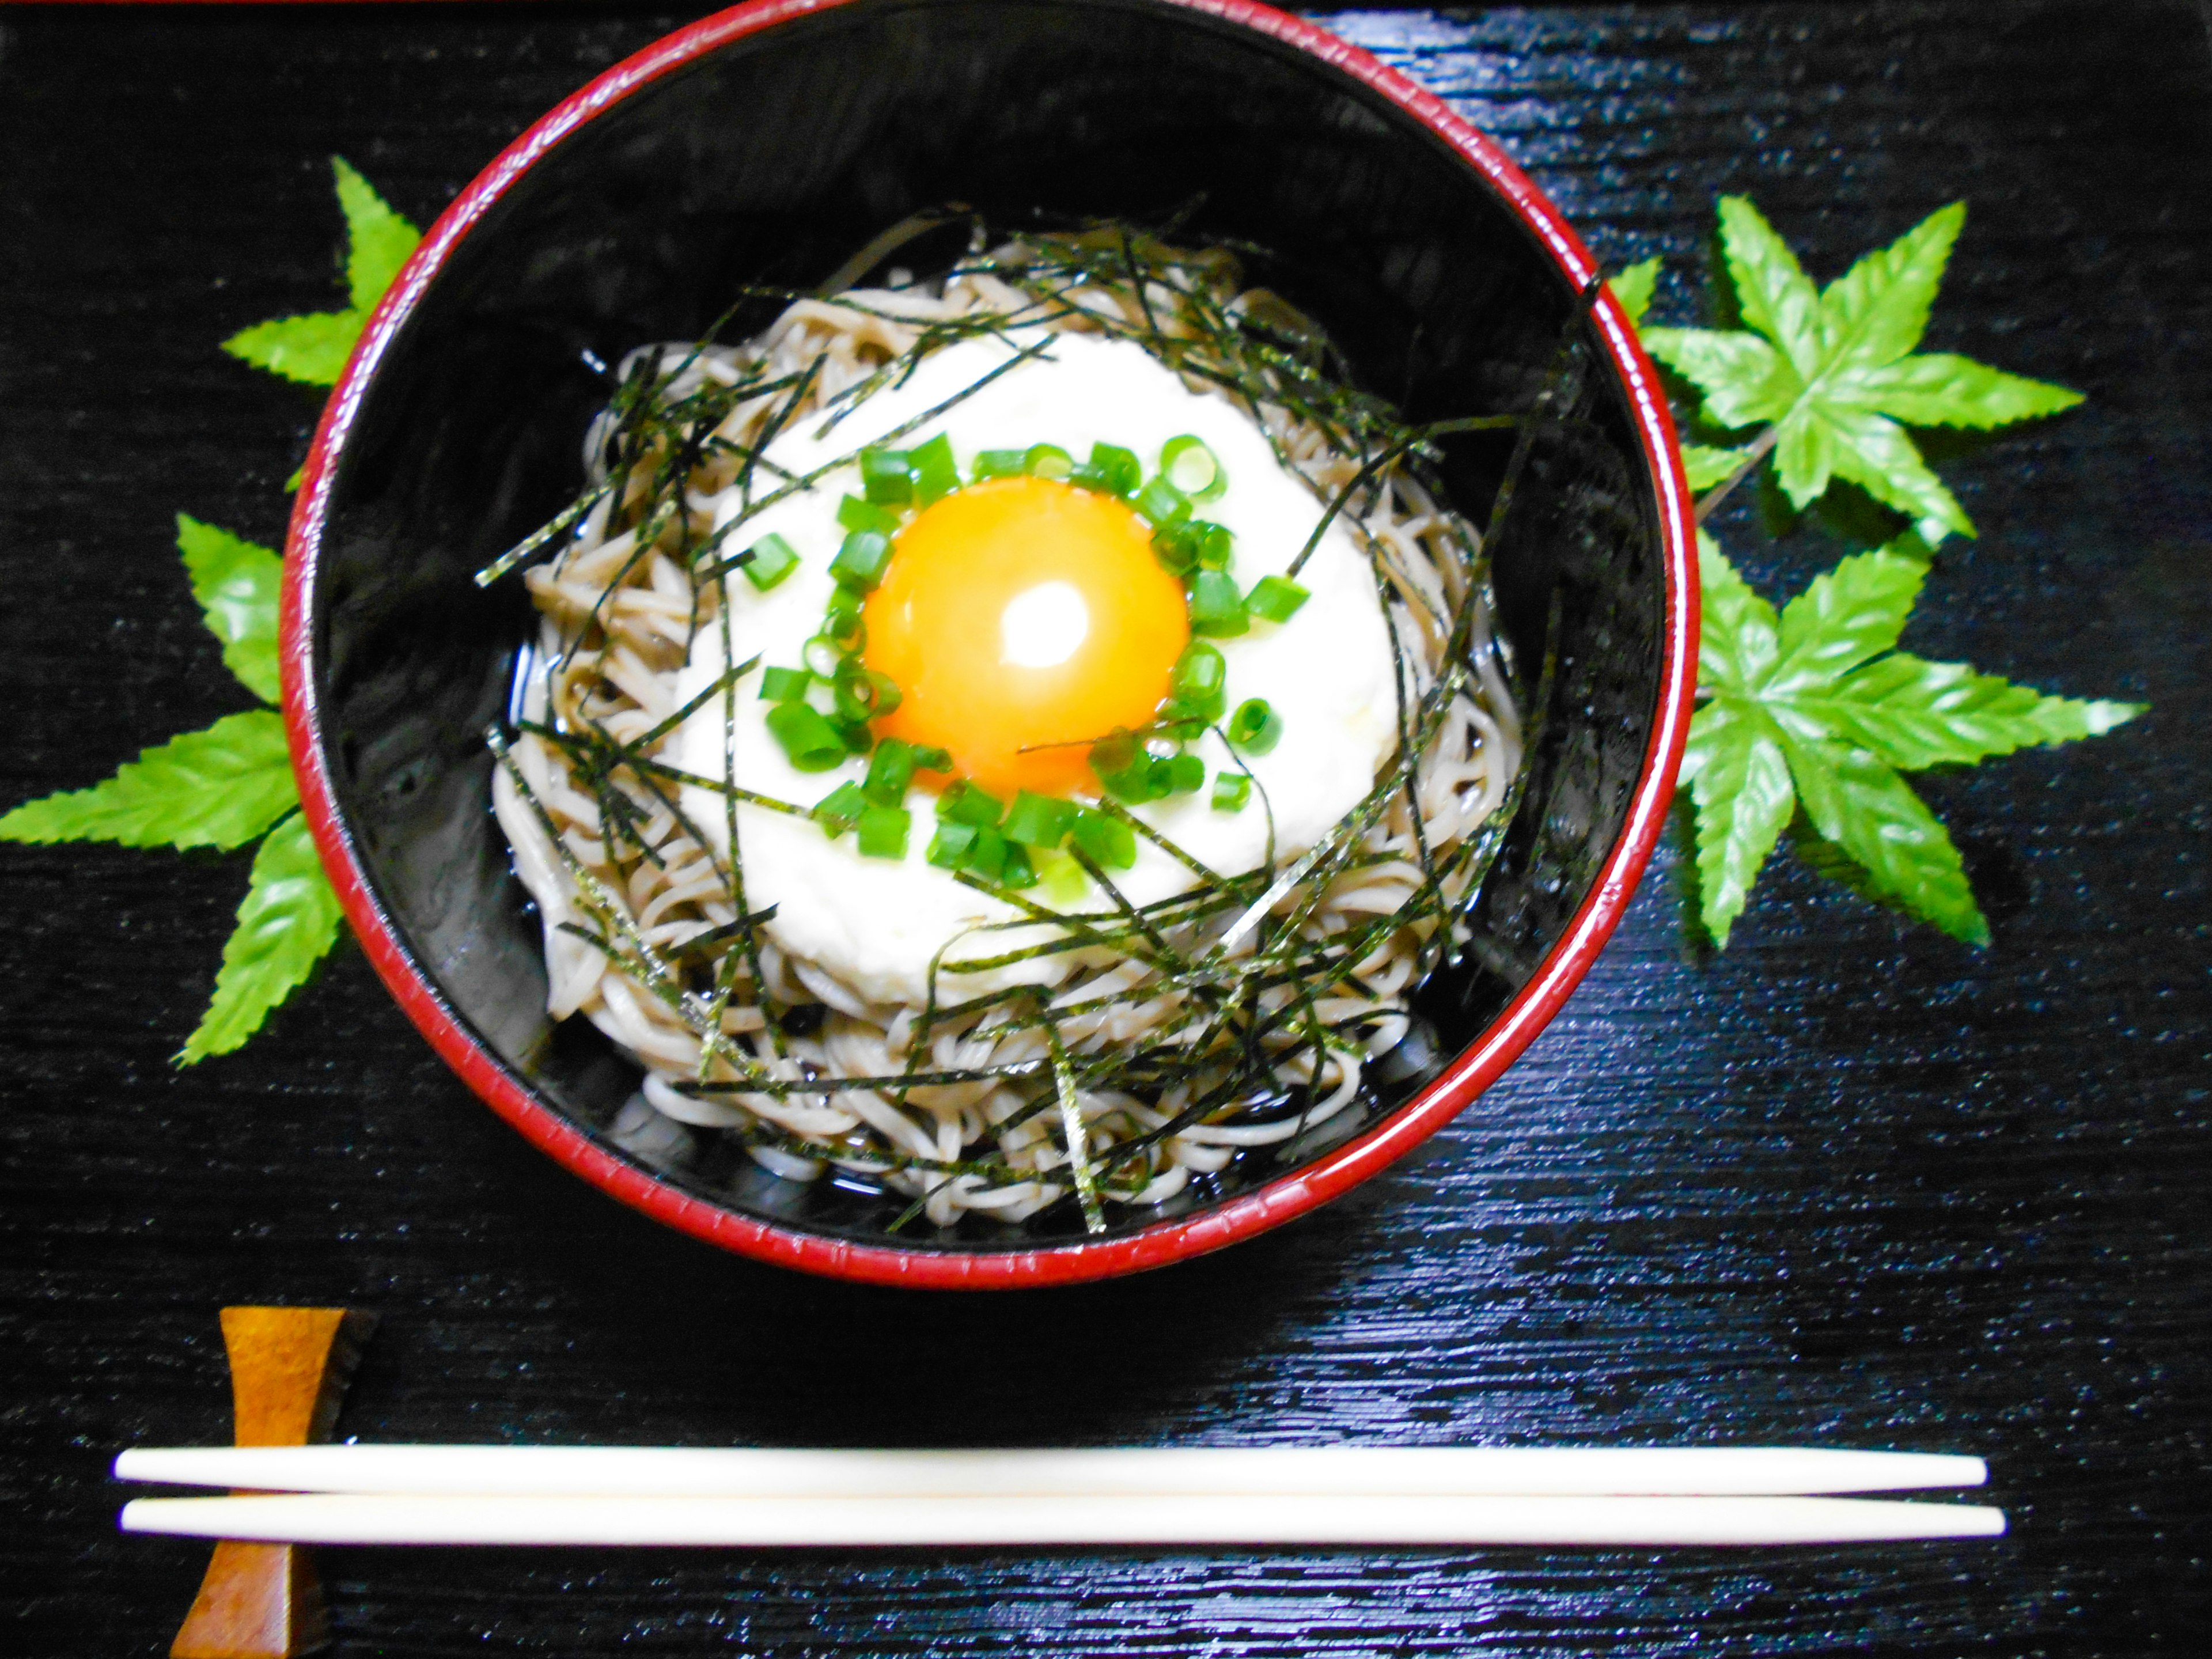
[1020,612]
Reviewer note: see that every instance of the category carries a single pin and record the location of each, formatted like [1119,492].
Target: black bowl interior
[771,161]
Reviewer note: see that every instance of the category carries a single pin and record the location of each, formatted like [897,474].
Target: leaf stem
[1749,464]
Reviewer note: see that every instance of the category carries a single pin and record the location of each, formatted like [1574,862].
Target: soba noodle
[620,608]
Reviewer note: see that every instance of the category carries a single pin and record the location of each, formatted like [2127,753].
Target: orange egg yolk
[1018,614]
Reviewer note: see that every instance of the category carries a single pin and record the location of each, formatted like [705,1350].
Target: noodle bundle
[1239,1014]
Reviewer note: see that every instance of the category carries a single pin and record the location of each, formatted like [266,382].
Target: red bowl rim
[1255,1212]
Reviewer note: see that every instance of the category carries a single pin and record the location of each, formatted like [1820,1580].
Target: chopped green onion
[859,736]
[808,741]
[1215,606]
[883,832]
[987,857]
[1194,544]
[1185,720]
[1120,467]
[1136,786]
[822,654]
[1039,820]
[821,696]
[784,684]
[1200,673]
[1195,693]
[841,809]
[1230,790]
[854,513]
[927,759]
[1255,728]
[1001,463]
[1110,842]
[859,563]
[1135,777]
[950,847]
[1193,470]
[1123,767]
[936,474]
[1216,546]
[843,623]
[1177,549]
[964,803]
[1048,461]
[772,561]
[890,772]
[1160,501]
[863,693]
[1019,871]
[1275,599]
[969,846]
[1111,468]
[884,477]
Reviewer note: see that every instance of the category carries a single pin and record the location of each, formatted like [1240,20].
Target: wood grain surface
[1849,1183]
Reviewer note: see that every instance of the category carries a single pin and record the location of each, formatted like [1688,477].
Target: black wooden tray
[1848,1184]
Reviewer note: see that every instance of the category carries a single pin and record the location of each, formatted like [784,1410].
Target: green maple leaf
[1832,373]
[287,924]
[1816,708]
[224,786]
[1634,288]
[221,786]
[313,349]
[1704,466]
[236,583]
[217,787]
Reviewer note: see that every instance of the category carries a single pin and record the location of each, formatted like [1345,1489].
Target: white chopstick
[1381,1472]
[1117,1519]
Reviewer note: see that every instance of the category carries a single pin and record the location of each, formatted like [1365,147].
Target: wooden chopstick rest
[289,1371]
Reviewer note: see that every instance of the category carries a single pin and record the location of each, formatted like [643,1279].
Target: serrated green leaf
[1877,311]
[1915,713]
[1941,388]
[236,583]
[1816,682]
[1740,785]
[1704,467]
[1745,380]
[312,349]
[1829,371]
[1772,293]
[287,924]
[377,241]
[1805,453]
[1634,287]
[1854,612]
[1739,636]
[1830,863]
[1874,453]
[217,787]
[1868,811]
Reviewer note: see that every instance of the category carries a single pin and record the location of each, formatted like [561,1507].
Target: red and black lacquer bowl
[764,146]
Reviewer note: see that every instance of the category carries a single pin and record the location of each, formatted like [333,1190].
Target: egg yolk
[1021,613]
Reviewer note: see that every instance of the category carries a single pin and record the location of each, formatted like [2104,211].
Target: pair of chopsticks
[1330,1495]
